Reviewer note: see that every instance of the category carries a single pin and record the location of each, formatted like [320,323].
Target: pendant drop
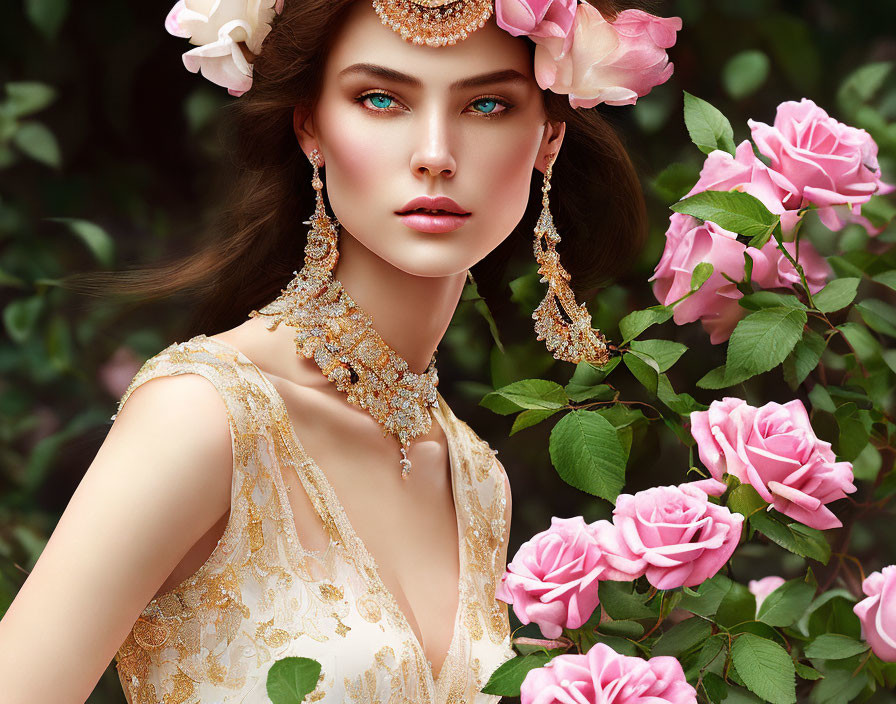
[405,463]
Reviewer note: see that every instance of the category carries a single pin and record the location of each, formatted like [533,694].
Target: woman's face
[392,125]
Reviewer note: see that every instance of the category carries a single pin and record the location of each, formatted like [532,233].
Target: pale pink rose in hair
[745,172]
[831,164]
[613,63]
[684,538]
[217,27]
[877,613]
[602,676]
[552,580]
[761,588]
[775,450]
[537,18]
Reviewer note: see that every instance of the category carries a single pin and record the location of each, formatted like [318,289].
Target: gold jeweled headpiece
[434,22]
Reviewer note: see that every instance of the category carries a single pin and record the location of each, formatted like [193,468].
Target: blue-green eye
[378,97]
[489,101]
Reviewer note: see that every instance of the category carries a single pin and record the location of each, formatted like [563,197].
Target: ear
[303,126]
[550,143]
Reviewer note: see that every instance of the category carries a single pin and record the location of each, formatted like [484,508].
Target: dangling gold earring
[321,249]
[564,325]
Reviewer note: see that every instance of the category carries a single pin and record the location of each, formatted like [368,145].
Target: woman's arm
[159,482]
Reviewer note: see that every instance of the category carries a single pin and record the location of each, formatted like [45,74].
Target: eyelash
[489,116]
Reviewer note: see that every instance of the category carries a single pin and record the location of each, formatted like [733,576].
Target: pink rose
[537,18]
[217,27]
[745,172]
[684,538]
[775,450]
[690,241]
[761,588]
[552,580]
[602,676]
[877,613]
[830,164]
[613,63]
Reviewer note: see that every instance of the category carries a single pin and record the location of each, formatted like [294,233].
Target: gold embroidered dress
[261,596]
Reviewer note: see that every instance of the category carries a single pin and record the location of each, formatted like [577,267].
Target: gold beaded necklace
[340,337]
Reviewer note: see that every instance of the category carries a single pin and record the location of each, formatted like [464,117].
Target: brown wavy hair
[255,240]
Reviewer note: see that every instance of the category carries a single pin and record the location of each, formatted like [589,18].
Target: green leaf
[804,358]
[711,593]
[527,393]
[833,646]
[854,432]
[36,141]
[762,340]
[718,379]
[738,606]
[505,681]
[745,72]
[795,537]
[27,97]
[291,679]
[94,237]
[708,127]
[838,294]
[878,316]
[674,182]
[644,368]
[47,15]
[586,379]
[638,321]
[736,211]
[682,637]
[530,417]
[622,602]
[20,317]
[701,275]
[765,668]
[665,352]
[806,672]
[587,454]
[745,500]
[861,85]
[839,685]
[770,299]
[887,278]
[683,404]
[866,347]
[622,628]
[786,604]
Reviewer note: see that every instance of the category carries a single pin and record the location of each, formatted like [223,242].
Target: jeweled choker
[340,337]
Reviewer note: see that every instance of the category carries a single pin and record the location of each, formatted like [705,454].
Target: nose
[433,154]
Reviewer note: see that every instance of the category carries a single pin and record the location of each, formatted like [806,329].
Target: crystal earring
[321,249]
[564,325]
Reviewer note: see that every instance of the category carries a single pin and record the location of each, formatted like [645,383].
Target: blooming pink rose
[877,612]
[217,27]
[690,241]
[537,18]
[613,63]
[831,165]
[761,588]
[602,676]
[775,450]
[745,172]
[552,580]
[684,538]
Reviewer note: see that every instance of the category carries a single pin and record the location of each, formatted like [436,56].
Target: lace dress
[261,596]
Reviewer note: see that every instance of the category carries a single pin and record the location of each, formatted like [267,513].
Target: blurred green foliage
[107,147]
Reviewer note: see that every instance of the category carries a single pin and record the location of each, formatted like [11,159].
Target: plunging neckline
[334,505]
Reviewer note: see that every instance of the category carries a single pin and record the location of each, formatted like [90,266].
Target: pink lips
[452,217]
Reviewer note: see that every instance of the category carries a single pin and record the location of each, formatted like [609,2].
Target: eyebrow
[505,75]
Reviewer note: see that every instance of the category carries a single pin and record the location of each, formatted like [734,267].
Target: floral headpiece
[579,52]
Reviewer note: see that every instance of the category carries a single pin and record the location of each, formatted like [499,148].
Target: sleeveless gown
[261,596]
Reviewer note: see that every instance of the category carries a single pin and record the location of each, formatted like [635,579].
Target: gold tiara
[434,22]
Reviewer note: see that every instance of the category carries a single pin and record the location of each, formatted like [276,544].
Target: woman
[349,527]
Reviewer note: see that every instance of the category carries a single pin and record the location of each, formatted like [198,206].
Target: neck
[410,313]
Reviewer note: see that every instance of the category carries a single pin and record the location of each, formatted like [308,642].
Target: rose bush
[793,476]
